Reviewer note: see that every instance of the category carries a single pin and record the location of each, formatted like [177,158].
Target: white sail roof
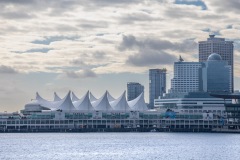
[138,104]
[39,98]
[102,104]
[43,102]
[110,98]
[83,103]
[91,97]
[65,103]
[74,97]
[56,97]
[121,104]
[88,103]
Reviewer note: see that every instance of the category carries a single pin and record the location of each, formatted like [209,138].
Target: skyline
[71,45]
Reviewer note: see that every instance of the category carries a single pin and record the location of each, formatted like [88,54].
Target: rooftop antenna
[211,35]
[181,59]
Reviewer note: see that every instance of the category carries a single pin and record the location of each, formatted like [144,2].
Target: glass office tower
[216,75]
[157,84]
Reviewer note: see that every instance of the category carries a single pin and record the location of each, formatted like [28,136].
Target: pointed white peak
[91,97]
[43,102]
[39,98]
[121,104]
[84,103]
[110,98]
[74,97]
[138,104]
[102,104]
[56,97]
[66,103]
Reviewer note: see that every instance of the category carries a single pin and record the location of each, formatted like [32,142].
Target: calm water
[119,146]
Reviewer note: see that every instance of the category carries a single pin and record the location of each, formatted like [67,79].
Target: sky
[79,45]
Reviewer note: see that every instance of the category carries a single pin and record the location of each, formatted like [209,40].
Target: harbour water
[119,146]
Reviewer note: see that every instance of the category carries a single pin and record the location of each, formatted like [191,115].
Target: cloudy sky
[98,45]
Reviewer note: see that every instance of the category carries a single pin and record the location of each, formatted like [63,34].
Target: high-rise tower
[186,77]
[157,84]
[220,46]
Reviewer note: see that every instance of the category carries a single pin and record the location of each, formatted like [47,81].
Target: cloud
[110,3]
[78,62]
[7,70]
[142,16]
[150,58]
[50,39]
[224,6]
[151,51]
[42,50]
[130,42]
[16,15]
[99,55]
[87,24]
[87,73]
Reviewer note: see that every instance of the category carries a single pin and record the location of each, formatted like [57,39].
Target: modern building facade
[134,89]
[157,84]
[186,77]
[215,75]
[193,103]
[220,46]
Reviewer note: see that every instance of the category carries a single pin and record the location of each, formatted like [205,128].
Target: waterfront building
[157,84]
[186,77]
[134,90]
[232,109]
[192,102]
[220,46]
[195,112]
[215,75]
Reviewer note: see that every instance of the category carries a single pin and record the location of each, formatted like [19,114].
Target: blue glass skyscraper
[216,75]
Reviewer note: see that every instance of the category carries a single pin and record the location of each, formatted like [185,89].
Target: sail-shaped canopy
[56,97]
[120,104]
[39,98]
[110,97]
[65,104]
[74,97]
[84,103]
[102,104]
[43,102]
[138,104]
[92,97]
[88,103]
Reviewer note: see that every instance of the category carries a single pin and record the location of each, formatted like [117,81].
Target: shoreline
[100,130]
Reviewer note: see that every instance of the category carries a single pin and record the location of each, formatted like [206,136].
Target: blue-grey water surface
[119,146]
